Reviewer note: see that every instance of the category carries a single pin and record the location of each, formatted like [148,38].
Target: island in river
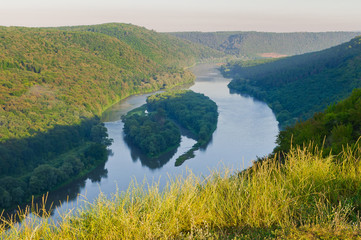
[155,127]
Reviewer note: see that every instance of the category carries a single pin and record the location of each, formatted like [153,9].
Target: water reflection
[158,162]
[63,195]
[233,91]
[96,176]
[72,191]
[151,163]
[204,147]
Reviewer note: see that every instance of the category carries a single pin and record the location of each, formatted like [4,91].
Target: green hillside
[297,87]
[79,72]
[54,77]
[54,85]
[163,49]
[332,129]
[255,44]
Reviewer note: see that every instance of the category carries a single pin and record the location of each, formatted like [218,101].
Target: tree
[44,177]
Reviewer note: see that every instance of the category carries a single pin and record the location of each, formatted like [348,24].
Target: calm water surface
[246,129]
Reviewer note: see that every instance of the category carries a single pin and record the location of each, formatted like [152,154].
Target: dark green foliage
[99,135]
[297,87]
[15,190]
[333,129]
[34,165]
[20,156]
[253,44]
[94,152]
[155,133]
[5,198]
[191,110]
[163,49]
[44,177]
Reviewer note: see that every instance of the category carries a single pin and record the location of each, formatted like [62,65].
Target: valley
[287,131]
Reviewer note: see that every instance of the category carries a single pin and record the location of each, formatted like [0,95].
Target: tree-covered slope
[333,129]
[53,77]
[164,49]
[297,87]
[254,44]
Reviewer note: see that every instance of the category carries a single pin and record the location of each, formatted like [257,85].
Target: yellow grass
[308,197]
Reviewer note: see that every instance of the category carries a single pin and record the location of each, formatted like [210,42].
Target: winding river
[246,129]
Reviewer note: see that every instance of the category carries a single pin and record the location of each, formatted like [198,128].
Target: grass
[308,197]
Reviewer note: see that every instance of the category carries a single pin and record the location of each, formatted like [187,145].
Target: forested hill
[334,129]
[164,49]
[267,44]
[50,76]
[297,87]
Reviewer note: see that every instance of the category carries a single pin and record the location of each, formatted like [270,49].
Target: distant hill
[297,87]
[267,44]
[161,48]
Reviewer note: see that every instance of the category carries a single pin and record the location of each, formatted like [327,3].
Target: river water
[246,129]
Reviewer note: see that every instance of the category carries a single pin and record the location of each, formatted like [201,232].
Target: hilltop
[161,48]
[249,45]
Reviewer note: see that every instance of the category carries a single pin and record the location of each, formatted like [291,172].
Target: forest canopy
[334,129]
[156,131]
[54,77]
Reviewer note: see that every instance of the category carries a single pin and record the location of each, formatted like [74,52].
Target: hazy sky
[187,15]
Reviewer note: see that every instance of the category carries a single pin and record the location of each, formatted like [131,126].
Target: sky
[189,15]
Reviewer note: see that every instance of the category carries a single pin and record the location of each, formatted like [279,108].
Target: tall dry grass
[307,196]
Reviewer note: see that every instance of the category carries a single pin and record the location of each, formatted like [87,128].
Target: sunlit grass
[307,197]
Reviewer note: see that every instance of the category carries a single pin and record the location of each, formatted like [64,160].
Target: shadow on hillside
[38,164]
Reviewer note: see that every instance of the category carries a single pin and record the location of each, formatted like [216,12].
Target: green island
[153,133]
[156,132]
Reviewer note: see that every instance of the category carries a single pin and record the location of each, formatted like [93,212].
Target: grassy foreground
[309,197]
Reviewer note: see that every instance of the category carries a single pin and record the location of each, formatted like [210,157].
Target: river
[246,129]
